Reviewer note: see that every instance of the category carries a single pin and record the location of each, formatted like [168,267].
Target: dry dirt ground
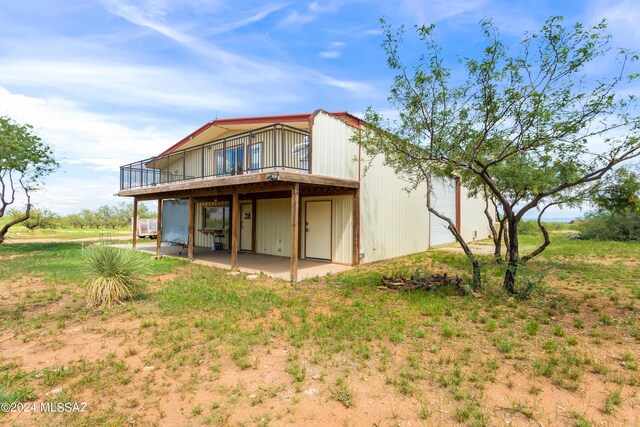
[207,348]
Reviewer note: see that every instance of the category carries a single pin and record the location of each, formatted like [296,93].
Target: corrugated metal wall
[273,227]
[473,221]
[342,226]
[333,152]
[392,222]
[443,200]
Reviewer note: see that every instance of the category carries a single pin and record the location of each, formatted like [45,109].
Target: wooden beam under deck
[265,191]
[245,180]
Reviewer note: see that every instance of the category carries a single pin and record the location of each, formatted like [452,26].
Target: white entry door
[443,200]
[318,230]
[246,227]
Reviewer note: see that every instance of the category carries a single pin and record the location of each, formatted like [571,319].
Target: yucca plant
[114,274]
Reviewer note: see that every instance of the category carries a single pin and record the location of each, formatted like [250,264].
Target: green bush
[530,227]
[114,274]
[623,226]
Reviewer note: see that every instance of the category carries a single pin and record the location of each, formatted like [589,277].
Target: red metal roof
[283,118]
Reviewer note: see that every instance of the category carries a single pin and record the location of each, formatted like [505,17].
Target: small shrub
[114,275]
[532,328]
[17,394]
[527,282]
[504,345]
[623,226]
[614,398]
[342,393]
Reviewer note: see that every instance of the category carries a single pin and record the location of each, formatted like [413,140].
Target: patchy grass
[207,348]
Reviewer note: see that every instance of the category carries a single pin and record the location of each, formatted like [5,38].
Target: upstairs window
[232,162]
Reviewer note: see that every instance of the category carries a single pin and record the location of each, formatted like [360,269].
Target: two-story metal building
[292,186]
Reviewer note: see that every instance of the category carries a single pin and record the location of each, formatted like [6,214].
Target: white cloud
[257,16]
[311,12]
[437,10]
[79,136]
[330,54]
[120,84]
[234,67]
[90,147]
[623,17]
[334,50]
[65,195]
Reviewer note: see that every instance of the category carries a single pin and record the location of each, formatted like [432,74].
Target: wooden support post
[190,243]
[235,219]
[295,230]
[159,228]
[134,222]
[356,228]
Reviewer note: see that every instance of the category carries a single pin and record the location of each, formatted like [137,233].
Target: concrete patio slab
[272,266]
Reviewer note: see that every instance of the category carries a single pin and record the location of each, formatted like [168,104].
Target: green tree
[89,218]
[108,216]
[519,125]
[24,161]
[42,218]
[619,192]
[74,221]
[617,213]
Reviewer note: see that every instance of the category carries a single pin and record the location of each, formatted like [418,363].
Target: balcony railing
[273,147]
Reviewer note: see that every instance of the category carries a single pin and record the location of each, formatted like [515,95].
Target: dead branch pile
[428,283]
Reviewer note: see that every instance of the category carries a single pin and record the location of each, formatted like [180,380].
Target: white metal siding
[474,223]
[443,200]
[333,153]
[342,227]
[392,222]
[273,227]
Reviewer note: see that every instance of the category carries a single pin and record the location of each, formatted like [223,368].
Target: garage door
[443,200]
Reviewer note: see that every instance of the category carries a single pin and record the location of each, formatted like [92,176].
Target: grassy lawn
[19,232]
[207,348]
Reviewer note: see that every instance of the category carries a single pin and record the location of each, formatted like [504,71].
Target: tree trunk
[497,241]
[496,235]
[7,226]
[505,234]
[476,280]
[513,258]
[475,265]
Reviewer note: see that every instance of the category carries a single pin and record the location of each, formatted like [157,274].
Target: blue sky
[109,82]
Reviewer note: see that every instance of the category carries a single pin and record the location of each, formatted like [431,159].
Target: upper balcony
[273,147]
